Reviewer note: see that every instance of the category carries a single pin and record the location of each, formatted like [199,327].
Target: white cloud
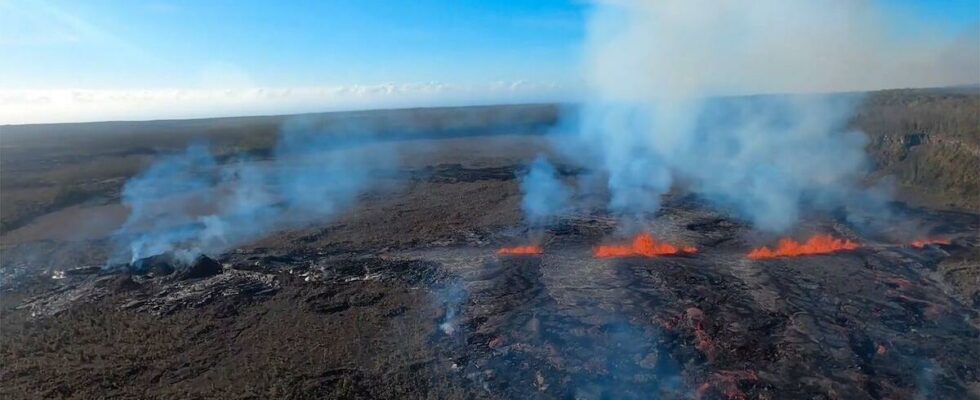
[78,105]
[697,48]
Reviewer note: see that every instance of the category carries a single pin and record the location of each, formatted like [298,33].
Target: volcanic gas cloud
[643,245]
[819,244]
[530,250]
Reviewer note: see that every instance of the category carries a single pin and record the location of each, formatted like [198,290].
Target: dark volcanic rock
[83,271]
[202,267]
[120,283]
[157,265]
[166,264]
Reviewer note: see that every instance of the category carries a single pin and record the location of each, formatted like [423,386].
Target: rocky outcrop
[928,141]
[202,267]
[166,264]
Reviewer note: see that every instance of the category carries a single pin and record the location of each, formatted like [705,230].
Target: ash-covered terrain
[403,292]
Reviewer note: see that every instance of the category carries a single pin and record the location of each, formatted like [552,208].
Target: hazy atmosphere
[610,199]
[116,60]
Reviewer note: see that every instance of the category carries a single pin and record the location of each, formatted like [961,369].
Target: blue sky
[126,44]
[120,48]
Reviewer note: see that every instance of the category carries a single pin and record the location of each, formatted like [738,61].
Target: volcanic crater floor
[439,314]
[456,320]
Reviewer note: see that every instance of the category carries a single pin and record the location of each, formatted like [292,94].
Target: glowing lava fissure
[919,244]
[643,245]
[819,244]
[529,250]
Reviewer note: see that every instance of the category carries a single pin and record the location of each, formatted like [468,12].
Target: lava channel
[530,250]
[920,244]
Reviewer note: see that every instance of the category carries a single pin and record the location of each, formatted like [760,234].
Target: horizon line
[447,105]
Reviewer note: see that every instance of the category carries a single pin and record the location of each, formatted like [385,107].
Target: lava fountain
[819,244]
[643,245]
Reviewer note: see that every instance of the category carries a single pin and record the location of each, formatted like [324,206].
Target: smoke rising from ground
[544,193]
[190,204]
[661,111]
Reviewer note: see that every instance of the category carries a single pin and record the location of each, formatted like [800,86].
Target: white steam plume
[544,194]
[658,73]
[190,204]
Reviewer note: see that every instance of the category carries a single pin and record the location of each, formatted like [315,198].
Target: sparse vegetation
[929,141]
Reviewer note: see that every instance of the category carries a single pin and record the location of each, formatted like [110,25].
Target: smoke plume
[190,203]
[668,104]
[544,193]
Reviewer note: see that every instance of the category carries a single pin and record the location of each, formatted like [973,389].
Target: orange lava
[702,341]
[531,250]
[819,244]
[919,244]
[643,245]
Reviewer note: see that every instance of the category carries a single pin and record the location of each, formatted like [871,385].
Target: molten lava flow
[925,242]
[530,250]
[819,244]
[643,245]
